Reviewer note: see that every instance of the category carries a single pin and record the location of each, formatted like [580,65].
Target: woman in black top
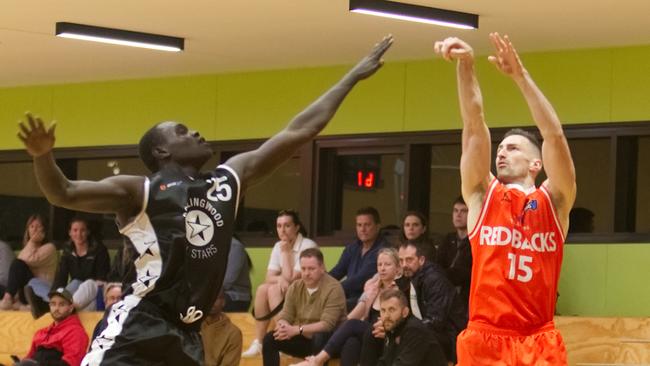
[83,267]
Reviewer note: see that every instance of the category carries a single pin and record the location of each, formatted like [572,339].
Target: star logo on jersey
[147,278]
[199,229]
[148,249]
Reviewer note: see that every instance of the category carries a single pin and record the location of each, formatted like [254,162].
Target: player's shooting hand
[505,58]
[37,139]
[371,63]
[453,48]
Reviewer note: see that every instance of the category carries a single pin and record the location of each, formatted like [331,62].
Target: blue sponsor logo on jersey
[531,205]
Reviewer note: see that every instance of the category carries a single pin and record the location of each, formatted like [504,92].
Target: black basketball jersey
[183,238]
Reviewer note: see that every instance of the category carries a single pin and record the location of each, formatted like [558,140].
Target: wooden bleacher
[589,341]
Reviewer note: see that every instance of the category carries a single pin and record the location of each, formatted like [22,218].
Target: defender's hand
[506,58]
[371,63]
[37,139]
[453,48]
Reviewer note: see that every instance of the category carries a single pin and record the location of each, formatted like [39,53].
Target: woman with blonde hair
[36,263]
[346,340]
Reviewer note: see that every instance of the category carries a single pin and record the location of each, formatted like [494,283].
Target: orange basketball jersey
[517,253]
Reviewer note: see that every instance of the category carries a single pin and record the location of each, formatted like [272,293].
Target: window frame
[412,145]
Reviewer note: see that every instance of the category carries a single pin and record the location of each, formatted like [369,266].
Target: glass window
[593,166]
[643,182]
[379,185]
[445,186]
[283,189]
[104,227]
[20,197]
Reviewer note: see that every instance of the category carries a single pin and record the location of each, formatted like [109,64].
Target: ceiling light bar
[415,13]
[119,37]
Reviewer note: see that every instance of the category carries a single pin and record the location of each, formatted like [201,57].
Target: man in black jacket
[432,297]
[455,253]
[408,340]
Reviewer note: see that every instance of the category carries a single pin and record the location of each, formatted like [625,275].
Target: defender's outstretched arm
[308,123]
[120,194]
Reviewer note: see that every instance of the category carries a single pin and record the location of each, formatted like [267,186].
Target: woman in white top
[283,269]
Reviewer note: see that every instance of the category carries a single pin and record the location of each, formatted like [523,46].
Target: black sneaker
[36,304]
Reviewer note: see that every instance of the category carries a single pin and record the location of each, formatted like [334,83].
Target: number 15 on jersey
[520,267]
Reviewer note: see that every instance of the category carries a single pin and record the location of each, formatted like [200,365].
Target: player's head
[519,155]
[169,142]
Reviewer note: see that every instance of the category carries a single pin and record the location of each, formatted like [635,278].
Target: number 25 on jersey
[220,190]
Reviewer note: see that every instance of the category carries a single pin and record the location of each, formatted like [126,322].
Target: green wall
[596,280]
[605,280]
[586,86]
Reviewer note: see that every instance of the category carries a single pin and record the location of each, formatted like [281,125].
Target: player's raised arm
[308,123]
[121,194]
[476,148]
[556,155]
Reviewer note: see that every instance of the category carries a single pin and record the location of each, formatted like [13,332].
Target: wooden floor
[589,341]
[606,341]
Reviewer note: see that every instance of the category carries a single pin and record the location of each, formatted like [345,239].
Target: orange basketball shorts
[482,344]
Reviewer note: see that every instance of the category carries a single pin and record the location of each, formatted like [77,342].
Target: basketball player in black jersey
[179,220]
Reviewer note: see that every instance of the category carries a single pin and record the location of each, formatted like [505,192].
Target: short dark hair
[313,253]
[423,220]
[79,219]
[460,200]
[295,218]
[528,135]
[148,142]
[393,293]
[370,211]
[417,244]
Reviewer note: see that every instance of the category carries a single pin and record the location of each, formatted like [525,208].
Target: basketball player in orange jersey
[516,230]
